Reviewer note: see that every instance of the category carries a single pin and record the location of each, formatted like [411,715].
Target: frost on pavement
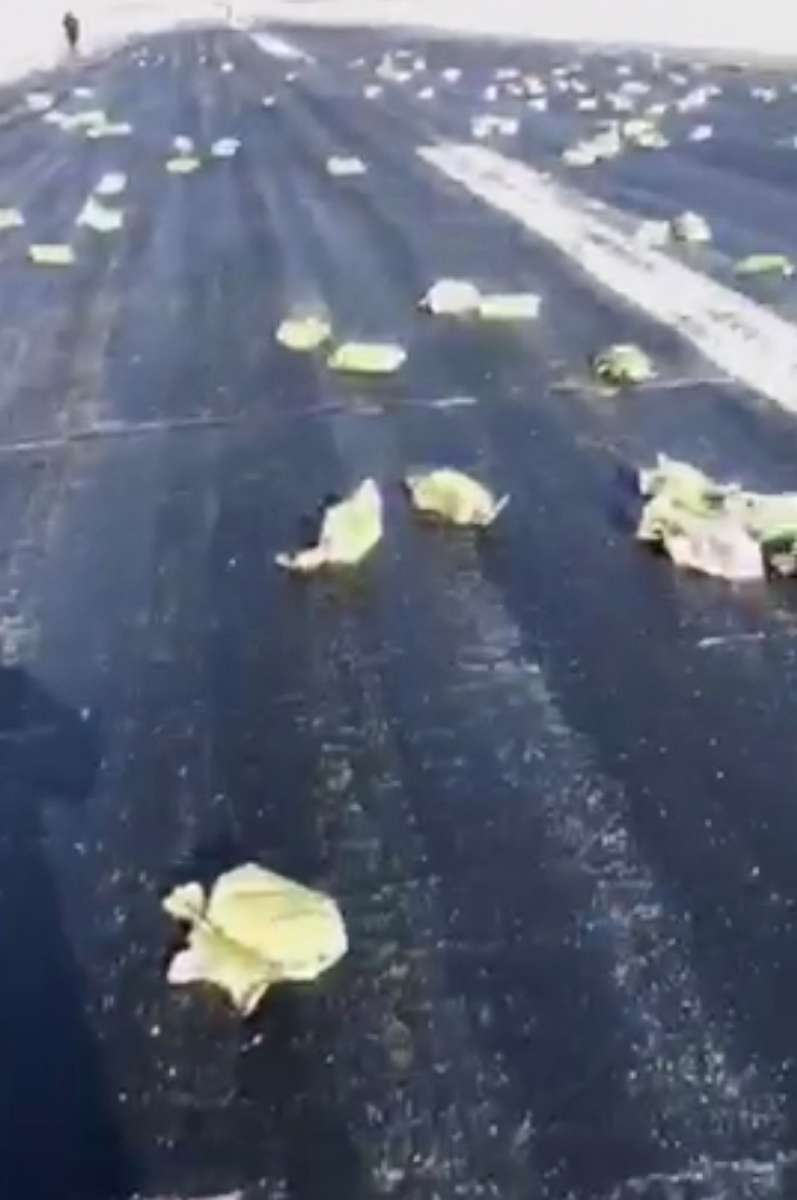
[256,929]
[453,496]
[349,531]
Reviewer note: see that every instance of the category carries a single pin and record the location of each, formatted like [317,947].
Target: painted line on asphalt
[747,341]
[279,48]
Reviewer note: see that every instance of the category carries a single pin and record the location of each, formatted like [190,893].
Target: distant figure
[72,30]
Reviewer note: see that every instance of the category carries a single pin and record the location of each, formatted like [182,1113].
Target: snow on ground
[35,38]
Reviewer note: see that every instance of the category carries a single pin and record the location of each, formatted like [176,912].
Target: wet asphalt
[550,781]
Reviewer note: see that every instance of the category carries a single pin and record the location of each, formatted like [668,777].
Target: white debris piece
[226,147]
[99,217]
[111,184]
[490,93]
[367,358]
[534,86]
[502,74]
[587,104]
[227,67]
[110,129]
[419,64]
[48,254]
[426,93]
[580,155]
[510,306]
[767,95]
[181,144]
[619,103]
[717,546]
[538,104]
[634,87]
[269,102]
[700,133]
[39,101]
[452,74]
[485,125]
[304,333]
[340,166]
[451,298]
[349,531]
[83,93]
[11,218]
[372,91]
[453,496]
[183,164]
[691,227]
[291,77]
[656,110]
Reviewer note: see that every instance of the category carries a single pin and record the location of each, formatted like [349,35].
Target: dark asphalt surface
[560,822]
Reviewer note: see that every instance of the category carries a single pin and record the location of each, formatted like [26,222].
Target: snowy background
[34,38]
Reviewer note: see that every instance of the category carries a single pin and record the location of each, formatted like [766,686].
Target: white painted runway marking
[753,345]
[279,48]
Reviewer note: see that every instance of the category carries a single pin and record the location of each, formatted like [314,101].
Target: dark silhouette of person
[59,1138]
[72,30]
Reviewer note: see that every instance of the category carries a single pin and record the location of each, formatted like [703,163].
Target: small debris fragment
[349,531]
[51,255]
[622,364]
[182,144]
[39,101]
[453,496]
[304,333]
[11,218]
[367,358]
[452,74]
[226,147]
[269,102]
[227,67]
[765,264]
[83,93]
[700,133]
[183,165]
[510,306]
[256,929]
[485,125]
[111,129]
[715,528]
[691,227]
[112,184]
[653,234]
[372,91]
[426,93]
[99,217]
[451,298]
[340,166]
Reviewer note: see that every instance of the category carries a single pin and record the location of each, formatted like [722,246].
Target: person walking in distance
[71,30]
